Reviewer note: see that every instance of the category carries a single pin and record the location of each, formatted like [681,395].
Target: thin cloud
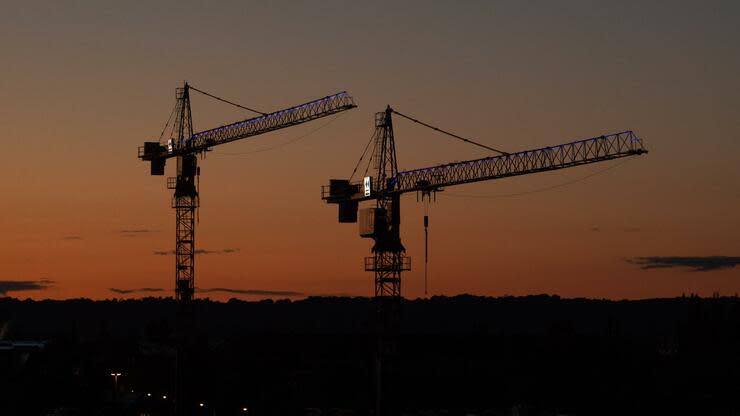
[204,251]
[134,232]
[71,238]
[695,264]
[255,292]
[138,290]
[197,251]
[7,286]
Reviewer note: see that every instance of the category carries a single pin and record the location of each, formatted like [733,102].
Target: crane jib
[329,103]
[292,116]
[530,161]
[581,152]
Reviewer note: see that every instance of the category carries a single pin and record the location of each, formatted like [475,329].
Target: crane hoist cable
[426,244]
[161,135]
[372,136]
[283,144]
[450,134]
[547,188]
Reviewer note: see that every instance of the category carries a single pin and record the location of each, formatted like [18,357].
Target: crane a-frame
[386,185]
[185,145]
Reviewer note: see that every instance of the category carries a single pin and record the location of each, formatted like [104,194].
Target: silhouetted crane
[185,145]
[386,185]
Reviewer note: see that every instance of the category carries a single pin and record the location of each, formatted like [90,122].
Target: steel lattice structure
[185,202]
[388,260]
[202,141]
[581,152]
[185,247]
[566,155]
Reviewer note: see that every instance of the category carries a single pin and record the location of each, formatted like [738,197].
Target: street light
[115,385]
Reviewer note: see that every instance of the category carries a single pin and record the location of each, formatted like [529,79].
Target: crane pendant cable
[227,101]
[450,134]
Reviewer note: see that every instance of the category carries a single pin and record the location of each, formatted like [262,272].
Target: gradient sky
[85,83]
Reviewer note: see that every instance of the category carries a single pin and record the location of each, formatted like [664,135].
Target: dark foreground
[536,355]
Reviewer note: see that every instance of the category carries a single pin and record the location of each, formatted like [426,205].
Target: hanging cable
[277,146]
[547,188]
[449,134]
[372,136]
[227,101]
[168,123]
[369,162]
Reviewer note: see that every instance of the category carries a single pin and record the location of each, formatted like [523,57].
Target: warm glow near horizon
[84,86]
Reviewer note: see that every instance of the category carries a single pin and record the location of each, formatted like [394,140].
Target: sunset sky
[85,83]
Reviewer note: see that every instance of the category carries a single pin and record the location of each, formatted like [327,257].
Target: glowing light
[367,184]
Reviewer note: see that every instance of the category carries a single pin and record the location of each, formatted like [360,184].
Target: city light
[201,404]
[115,385]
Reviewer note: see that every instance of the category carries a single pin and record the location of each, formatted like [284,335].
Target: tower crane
[386,184]
[185,145]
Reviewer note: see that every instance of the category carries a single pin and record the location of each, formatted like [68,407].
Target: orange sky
[84,85]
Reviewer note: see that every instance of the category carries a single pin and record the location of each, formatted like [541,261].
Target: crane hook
[426,245]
